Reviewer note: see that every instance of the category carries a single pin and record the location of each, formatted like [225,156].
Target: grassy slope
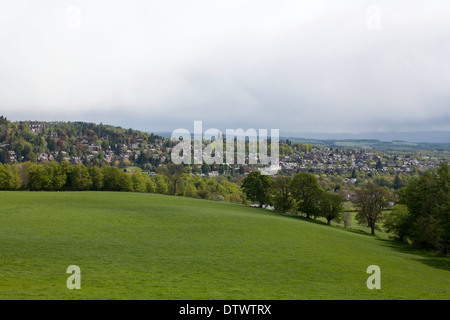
[147,246]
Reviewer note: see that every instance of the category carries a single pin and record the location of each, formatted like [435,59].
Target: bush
[347,218]
[220,197]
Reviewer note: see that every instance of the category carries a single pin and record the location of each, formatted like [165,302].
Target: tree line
[302,193]
[419,213]
[171,180]
[422,215]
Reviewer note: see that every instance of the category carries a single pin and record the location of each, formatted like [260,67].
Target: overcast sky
[299,66]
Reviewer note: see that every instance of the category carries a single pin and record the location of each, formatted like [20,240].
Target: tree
[125,182]
[96,177]
[58,176]
[4,156]
[306,191]
[31,156]
[282,196]
[80,178]
[111,178]
[40,178]
[397,184]
[257,187]
[174,172]
[428,201]
[379,165]
[371,201]
[139,182]
[330,206]
[396,222]
[347,218]
[191,191]
[161,184]
[9,178]
[51,144]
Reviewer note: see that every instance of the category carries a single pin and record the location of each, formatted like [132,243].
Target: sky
[299,66]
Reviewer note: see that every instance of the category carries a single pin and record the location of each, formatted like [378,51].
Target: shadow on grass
[314,221]
[431,259]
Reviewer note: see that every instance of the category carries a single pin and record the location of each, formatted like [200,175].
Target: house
[12,155]
[213,174]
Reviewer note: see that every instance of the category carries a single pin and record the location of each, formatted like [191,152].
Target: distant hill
[417,137]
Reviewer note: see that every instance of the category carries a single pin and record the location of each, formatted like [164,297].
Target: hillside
[148,246]
[79,142]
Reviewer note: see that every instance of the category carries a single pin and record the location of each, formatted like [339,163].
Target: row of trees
[172,180]
[301,193]
[422,215]
[65,177]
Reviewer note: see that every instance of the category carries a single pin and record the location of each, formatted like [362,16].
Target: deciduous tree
[306,191]
[371,201]
[282,196]
[257,187]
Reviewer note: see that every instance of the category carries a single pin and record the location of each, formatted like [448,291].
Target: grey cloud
[160,65]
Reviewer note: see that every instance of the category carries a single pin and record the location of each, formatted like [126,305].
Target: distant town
[148,151]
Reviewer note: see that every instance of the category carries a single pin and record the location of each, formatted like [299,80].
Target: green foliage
[347,219]
[257,188]
[150,186]
[139,182]
[371,201]
[71,137]
[282,196]
[396,221]
[111,179]
[125,182]
[59,176]
[9,178]
[97,178]
[428,201]
[174,172]
[161,185]
[40,178]
[330,206]
[80,179]
[306,191]
[190,191]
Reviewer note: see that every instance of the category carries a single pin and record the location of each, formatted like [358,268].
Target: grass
[148,246]
[135,169]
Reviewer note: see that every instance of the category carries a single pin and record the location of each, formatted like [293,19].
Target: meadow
[149,246]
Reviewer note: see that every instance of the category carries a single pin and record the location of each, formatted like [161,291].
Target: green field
[148,246]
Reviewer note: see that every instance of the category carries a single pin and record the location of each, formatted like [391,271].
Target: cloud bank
[300,66]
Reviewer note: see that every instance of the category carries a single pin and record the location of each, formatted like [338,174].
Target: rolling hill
[148,246]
